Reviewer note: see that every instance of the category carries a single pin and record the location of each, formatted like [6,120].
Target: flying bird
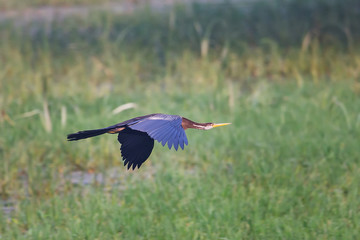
[137,135]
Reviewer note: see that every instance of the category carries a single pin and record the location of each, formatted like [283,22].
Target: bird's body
[137,135]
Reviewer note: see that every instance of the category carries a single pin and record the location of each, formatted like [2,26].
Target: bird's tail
[86,134]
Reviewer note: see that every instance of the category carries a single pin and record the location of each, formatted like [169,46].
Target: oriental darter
[137,135]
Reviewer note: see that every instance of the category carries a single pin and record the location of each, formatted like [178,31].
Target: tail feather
[86,134]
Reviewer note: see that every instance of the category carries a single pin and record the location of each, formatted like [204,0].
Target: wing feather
[160,133]
[170,137]
[164,129]
[172,140]
[135,148]
[176,140]
[185,139]
[181,141]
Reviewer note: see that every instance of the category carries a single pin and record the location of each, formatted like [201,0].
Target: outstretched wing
[136,147]
[163,128]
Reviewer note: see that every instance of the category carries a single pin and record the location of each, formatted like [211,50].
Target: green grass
[287,168]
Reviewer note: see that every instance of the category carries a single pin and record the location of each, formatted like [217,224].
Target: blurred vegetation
[277,40]
[286,73]
[20,4]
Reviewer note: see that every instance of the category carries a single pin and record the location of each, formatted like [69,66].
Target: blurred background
[286,73]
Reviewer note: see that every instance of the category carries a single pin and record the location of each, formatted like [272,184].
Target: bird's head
[214,125]
[186,123]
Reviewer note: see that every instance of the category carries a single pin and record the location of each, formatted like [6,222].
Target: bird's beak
[220,124]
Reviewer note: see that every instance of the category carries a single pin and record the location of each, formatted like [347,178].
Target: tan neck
[186,123]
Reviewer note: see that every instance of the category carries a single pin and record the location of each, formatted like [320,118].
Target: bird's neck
[186,123]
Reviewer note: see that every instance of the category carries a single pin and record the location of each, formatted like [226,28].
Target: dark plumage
[137,135]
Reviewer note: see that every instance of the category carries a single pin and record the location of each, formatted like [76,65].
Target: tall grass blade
[124,107]
[46,117]
[63,116]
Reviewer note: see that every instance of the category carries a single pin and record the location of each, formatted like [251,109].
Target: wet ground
[110,180]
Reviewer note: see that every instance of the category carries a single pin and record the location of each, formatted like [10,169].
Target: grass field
[287,168]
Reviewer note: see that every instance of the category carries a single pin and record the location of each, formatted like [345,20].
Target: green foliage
[287,168]
[256,41]
[284,21]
